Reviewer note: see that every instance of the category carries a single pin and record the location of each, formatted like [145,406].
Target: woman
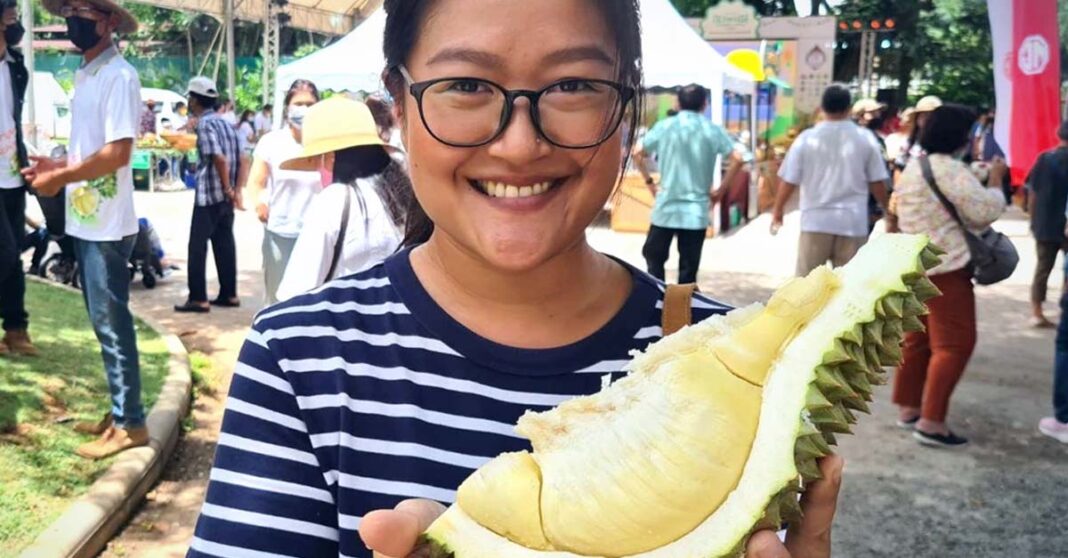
[245,129]
[282,195]
[368,191]
[389,384]
[935,360]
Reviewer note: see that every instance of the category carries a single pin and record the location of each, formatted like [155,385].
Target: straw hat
[127,23]
[867,105]
[332,125]
[928,103]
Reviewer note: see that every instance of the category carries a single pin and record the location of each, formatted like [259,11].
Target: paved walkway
[1003,496]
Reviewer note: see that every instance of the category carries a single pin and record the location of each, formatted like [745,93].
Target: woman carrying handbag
[935,359]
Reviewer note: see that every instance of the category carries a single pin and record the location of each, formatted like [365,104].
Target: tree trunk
[904,76]
[816,7]
[189,47]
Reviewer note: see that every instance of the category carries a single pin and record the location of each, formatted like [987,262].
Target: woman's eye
[575,86]
[466,86]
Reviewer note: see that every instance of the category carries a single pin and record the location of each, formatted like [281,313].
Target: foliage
[39,473]
[698,8]
[248,86]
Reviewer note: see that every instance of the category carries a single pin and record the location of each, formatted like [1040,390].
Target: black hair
[205,102]
[403,21]
[179,104]
[947,129]
[391,182]
[269,106]
[296,87]
[836,99]
[693,98]
[247,115]
[1062,131]
[380,111]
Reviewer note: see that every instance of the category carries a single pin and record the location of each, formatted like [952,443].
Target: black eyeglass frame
[417,89]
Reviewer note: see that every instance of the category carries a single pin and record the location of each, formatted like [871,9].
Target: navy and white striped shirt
[215,136]
[365,392]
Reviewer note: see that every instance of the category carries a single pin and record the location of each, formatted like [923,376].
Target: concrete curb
[89,523]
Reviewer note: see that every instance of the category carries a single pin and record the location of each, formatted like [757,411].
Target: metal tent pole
[29,108]
[230,78]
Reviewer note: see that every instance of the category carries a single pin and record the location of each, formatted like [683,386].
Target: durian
[712,434]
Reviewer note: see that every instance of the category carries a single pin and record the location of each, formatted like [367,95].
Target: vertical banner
[1026,79]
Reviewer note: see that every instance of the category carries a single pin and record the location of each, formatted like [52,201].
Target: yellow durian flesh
[503,495]
[693,417]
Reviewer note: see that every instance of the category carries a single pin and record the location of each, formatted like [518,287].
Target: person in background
[282,196]
[688,147]
[218,170]
[934,360]
[13,81]
[868,113]
[836,164]
[264,120]
[1047,186]
[246,129]
[368,195]
[181,116]
[387,125]
[226,112]
[897,142]
[920,113]
[148,119]
[105,114]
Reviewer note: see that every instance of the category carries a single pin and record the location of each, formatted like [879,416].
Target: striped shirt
[365,392]
[215,136]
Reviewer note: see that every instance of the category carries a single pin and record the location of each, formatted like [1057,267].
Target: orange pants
[934,360]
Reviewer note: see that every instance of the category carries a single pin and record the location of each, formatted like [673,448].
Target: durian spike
[831,384]
[836,354]
[829,436]
[815,400]
[850,418]
[890,355]
[929,259]
[807,429]
[809,470]
[872,362]
[855,335]
[820,443]
[861,383]
[925,289]
[893,306]
[873,331]
[857,404]
[790,508]
[935,249]
[804,448]
[913,306]
[893,331]
[912,324]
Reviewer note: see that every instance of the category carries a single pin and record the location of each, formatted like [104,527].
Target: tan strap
[677,313]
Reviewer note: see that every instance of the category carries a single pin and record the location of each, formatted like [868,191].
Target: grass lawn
[39,472]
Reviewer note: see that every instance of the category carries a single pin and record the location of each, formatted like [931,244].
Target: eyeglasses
[84,12]
[573,113]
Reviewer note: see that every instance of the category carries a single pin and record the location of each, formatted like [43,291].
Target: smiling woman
[397,382]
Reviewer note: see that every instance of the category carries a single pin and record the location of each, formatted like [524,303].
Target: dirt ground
[1003,496]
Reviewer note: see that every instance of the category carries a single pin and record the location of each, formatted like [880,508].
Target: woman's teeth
[502,190]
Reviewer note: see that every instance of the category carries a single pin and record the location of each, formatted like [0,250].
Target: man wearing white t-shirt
[263,121]
[100,214]
[13,81]
[836,164]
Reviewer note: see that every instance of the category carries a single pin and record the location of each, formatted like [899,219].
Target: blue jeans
[105,277]
[1060,363]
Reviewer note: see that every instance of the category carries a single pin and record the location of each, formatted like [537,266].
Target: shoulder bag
[994,257]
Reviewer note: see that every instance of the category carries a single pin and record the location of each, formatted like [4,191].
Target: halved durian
[712,434]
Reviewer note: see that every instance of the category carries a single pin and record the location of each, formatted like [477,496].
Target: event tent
[674,55]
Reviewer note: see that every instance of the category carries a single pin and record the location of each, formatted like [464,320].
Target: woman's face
[518,45]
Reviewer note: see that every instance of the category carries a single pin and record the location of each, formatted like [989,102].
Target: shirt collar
[99,62]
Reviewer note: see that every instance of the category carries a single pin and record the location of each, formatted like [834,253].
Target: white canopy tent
[674,55]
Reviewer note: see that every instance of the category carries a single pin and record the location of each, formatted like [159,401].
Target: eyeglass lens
[575,113]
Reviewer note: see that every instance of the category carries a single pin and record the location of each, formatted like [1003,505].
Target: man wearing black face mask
[100,216]
[13,80]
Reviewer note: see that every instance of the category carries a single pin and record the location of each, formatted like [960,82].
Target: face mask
[13,33]
[82,32]
[326,176]
[296,116]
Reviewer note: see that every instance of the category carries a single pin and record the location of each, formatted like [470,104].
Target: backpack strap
[340,243]
[677,312]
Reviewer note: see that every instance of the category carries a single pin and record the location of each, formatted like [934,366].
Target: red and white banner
[1027,71]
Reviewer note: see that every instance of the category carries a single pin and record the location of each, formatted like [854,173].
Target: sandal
[227,303]
[192,307]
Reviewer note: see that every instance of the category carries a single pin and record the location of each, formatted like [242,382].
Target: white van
[166,102]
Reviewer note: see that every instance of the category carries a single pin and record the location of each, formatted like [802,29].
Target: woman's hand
[262,212]
[998,171]
[395,533]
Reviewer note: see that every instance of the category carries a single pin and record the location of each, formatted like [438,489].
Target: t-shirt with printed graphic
[9,155]
[365,392]
[106,108]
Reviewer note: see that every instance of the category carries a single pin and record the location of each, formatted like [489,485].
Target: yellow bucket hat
[333,125]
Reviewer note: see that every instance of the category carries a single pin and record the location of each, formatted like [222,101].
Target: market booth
[674,55]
